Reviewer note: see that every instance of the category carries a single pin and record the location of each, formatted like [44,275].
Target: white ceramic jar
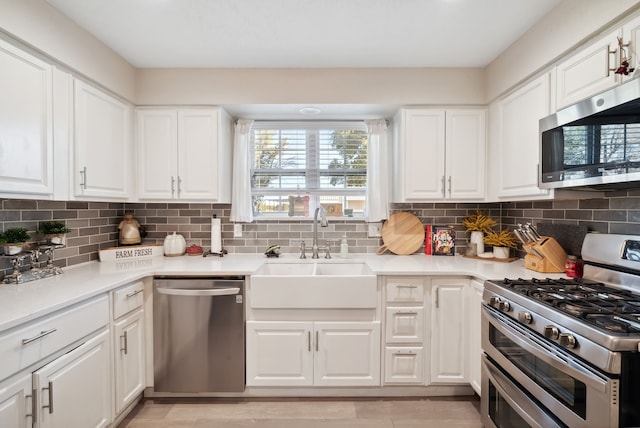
[174,245]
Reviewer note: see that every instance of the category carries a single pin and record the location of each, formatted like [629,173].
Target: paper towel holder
[210,252]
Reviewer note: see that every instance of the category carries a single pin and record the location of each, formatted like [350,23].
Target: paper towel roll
[216,235]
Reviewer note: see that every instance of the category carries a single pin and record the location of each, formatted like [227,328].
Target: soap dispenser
[344,247]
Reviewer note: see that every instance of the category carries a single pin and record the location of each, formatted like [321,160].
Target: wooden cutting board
[402,233]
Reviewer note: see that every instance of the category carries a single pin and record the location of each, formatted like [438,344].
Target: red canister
[574,267]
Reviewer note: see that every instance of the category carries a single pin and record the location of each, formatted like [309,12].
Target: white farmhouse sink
[275,269]
[315,284]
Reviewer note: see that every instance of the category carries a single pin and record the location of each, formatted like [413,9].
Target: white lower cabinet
[313,353]
[475,343]
[405,330]
[448,330]
[16,400]
[129,359]
[74,391]
[57,369]
[404,364]
[128,344]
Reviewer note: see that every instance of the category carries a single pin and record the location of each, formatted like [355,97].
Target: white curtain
[377,172]
[241,206]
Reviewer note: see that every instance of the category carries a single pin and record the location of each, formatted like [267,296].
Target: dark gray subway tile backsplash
[95,224]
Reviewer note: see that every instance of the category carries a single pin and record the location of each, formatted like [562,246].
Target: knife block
[545,255]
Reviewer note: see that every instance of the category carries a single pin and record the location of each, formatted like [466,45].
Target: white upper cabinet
[592,69]
[102,163]
[184,154]
[26,139]
[631,35]
[587,72]
[439,154]
[514,147]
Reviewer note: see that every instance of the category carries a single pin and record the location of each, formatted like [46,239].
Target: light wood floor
[438,412]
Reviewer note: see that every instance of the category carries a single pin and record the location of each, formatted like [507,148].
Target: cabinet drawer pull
[40,336]
[50,390]
[406,286]
[406,313]
[135,293]
[125,347]
[404,353]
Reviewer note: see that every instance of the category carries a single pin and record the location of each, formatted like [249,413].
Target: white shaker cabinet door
[129,354]
[420,154]
[475,347]
[16,402]
[466,131]
[449,331]
[74,391]
[198,160]
[26,139]
[516,154]
[347,354]
[588,72]
[157,138]
[279,353]
[102,144]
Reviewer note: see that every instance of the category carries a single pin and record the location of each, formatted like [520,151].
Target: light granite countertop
[24,302]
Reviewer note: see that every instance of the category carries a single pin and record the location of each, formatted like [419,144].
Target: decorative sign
[130,253]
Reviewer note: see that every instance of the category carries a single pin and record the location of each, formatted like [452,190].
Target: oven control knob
[525,317]
[505,306]
[567,340]
[551,332]
[494,301]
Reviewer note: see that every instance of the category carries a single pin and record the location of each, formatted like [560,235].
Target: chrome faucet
[324,223]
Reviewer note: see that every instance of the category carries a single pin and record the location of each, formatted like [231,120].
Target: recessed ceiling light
[309,110]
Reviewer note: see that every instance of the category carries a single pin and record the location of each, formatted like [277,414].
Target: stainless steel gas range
[566,352]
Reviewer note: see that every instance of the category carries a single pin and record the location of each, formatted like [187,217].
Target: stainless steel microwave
[593,143]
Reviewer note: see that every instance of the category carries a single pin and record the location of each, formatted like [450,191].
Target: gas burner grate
[608,308]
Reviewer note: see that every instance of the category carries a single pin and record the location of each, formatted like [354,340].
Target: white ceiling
[306,33]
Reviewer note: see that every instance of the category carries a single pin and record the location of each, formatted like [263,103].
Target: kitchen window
[298,166]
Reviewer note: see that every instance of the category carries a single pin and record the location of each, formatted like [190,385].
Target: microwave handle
[541,350]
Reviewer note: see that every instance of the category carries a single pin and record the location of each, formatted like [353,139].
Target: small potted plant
[54,231]
[478,224]
[13,240]
[501,242]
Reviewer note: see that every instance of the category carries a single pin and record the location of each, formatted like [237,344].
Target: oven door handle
[516,399]
[545,352]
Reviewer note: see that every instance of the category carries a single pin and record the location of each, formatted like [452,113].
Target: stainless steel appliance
[198,335]
[566,352]
[594,142]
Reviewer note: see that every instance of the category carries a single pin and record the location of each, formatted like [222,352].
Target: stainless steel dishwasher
[198,335]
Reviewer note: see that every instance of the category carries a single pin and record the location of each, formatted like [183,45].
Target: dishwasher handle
[199,292]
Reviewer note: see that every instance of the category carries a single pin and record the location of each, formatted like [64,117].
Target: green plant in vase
[54,231]
[14,239]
